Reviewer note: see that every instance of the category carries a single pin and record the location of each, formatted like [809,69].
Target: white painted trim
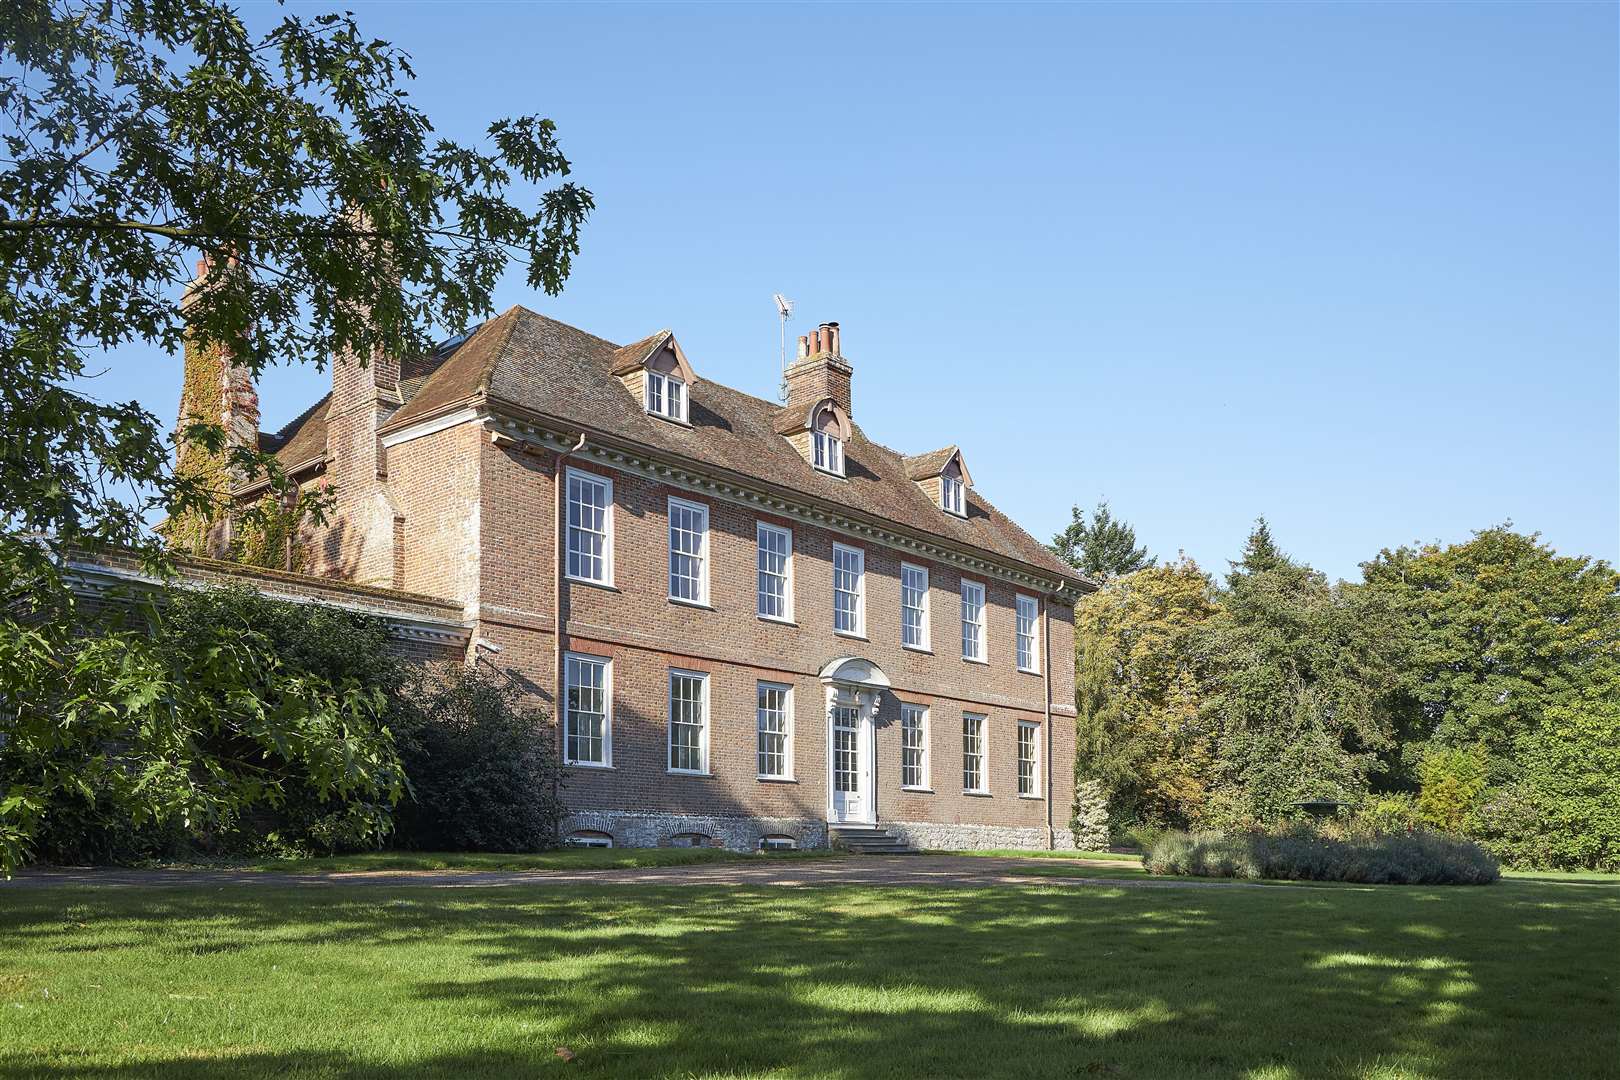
[787,571]
[982,622]
[984,754]
[925,773]
[702,598]
[607,709]
[607,526]
[1035,763]
[1034,667]
[805,512]
[431,427]
[927,642]
[669,721]
[788,727]
[859,629]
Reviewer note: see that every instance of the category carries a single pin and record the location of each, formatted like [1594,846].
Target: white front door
[850,760]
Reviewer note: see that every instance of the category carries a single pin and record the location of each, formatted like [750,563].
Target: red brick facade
[461,503]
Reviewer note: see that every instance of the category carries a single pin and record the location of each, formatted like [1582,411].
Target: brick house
[760,624]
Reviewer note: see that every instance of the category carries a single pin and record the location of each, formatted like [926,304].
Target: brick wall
[645,634]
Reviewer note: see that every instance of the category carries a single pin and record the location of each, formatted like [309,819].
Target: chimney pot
[804,346]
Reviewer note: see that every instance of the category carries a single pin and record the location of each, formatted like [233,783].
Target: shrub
[481,766]
[1090,818]
[1391,813]
[1452,780]
[1303,853]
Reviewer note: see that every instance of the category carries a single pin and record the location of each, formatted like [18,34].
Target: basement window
[589,839]
[778,843]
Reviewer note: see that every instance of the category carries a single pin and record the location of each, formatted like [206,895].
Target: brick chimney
[820,372]
[359,541]
[214,390]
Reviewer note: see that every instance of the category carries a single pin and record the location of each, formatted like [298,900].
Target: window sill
[1033,798]
[918,649]
[587,765]
[777,619]
[975,660]
[917,790]
[762,778]
[851,636]
[669,419]
[699,604]
[1029,671]
[978,794]
[688,772]
[605,586]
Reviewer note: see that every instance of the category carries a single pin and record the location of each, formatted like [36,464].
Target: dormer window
[950,495]
[829,453]
[666,396]
[943,477]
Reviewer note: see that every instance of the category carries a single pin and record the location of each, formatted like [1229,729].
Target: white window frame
[1034,729]
[827,452]
[952,495]
[924,642]
[924,781]
[981,656]
[787,731]
[702,598]
[669,712]
[672,396]
[570,475]
[859,630]
[762,528]
[606,663]
[1029,661]
[983,754]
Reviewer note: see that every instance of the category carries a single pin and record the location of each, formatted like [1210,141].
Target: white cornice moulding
[430,427]
[683,477]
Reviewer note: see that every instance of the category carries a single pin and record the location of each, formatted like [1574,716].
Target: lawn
[563,859]
[1513,979]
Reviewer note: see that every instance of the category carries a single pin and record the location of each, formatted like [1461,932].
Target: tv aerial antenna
[784,308]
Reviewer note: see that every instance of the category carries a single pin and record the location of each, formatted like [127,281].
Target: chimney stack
[820,372]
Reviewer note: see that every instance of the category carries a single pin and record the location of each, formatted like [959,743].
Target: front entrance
[850,739]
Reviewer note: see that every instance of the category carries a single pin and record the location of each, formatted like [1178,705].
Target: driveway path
[958,871]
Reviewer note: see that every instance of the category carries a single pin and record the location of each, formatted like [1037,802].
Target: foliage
[1564,811]
[1090,821]
[1101,549]
[1303,853]
[1300,697]
[200,712]
[1141,667]
[333,224]
[482,765]
[1452,778]
[1391,812]
[1503,628]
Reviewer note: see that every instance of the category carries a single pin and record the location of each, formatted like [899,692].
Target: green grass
[1111,856]
[565,859]
[1513,979]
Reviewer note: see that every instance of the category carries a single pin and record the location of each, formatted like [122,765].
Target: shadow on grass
[866,982]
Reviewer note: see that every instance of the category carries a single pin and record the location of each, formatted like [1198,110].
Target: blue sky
[1354,268]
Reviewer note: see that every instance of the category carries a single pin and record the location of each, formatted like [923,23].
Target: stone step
[870,841]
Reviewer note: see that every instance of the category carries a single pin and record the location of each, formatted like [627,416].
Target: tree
[1102,549]
[1142,668]
[140,134]
[1503,629]
[1306,672]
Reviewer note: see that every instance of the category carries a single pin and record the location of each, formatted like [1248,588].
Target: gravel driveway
[957,871]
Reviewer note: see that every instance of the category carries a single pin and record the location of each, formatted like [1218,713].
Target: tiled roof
[302,438]
[556,371]
[931,464]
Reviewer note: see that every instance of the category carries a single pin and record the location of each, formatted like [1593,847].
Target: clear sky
[1352,267]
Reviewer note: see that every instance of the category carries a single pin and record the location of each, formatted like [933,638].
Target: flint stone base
[934,836]
[637,829]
